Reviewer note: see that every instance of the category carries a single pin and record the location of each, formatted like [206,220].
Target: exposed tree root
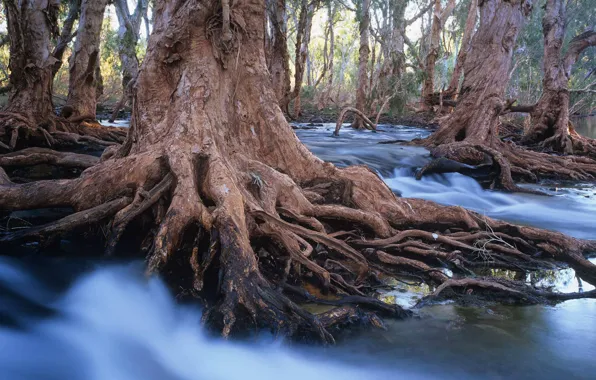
[18,132]
[511,162]
[309,241]
[366,122]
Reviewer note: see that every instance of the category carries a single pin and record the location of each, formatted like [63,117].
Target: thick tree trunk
[439,17]
[279,62]
[128,33]
[464,48]
[30,26]
[83,80]
[550,118]
[29,119]
[363,54]
[218,175]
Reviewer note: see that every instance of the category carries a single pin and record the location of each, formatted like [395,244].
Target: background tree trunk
[279,61]
[550,124]
[128,33]
[303,31]
[66,35]
[486,72]
[30,26]
[363,54]
[439,17]
[83,80]
[464,48]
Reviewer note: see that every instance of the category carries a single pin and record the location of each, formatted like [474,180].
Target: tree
[465,47]
[30,61]
[439,17]
[84,63]
[303,31]
[128,33]
[550,126]
[29,120]
[279,61]
[363,54]
[66,35]
[470,134]
[218,176]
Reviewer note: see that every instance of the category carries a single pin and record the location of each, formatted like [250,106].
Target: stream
[82,319]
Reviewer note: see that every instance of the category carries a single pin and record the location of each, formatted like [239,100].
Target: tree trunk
[83,80]
[66,35]
[30,26]
[331,9]
[363,54]
[464,48]
[439,17]
[218,176]
[470,134]
[128,33]
[303,31]
[550,126]
[279,63]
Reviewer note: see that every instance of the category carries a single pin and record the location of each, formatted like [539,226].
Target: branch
[413,50]
[420,14]
[576,46]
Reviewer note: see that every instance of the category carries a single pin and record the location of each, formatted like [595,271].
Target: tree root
[365,120]
[18,132]
[512,162]
[260,243]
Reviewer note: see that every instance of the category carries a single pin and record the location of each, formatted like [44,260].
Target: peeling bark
[279,61]
[84,81]
[30,26]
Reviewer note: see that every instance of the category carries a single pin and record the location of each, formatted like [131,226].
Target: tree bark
[66,35]
[83,80]
[217,176]
[303,31]
[30,26]
[363,54]
[128,33]
[439,17]
[550,126]
[279,62]
[464,48]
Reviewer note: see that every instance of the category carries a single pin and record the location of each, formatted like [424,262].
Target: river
[80,319]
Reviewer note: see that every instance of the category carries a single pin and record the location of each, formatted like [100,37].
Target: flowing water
[75,319]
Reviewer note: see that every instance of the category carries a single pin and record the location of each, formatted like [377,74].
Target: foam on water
[113,324]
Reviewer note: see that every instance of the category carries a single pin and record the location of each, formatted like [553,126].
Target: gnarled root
[266,242]
[511,162]
[18,132]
